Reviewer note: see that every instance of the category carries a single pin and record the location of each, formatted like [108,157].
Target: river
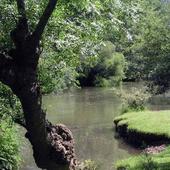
[89,113]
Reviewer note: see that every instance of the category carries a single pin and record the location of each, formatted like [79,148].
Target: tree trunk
[53,146]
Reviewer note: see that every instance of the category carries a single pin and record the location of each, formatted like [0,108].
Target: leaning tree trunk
[53,146]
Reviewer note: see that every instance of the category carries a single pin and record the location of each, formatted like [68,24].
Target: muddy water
[89,114]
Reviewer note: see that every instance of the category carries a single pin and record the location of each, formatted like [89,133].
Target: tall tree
[53,146]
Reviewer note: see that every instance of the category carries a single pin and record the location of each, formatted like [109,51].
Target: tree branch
[7,74]
[22,23]
[21,31]
[21,8]
[44,20]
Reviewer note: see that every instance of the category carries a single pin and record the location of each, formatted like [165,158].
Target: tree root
[62,142]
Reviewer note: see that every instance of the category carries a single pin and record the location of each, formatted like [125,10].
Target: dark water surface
[89,113]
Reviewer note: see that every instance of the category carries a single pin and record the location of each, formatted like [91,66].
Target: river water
[89,113]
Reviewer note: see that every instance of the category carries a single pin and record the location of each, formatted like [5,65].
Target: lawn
[141,126]
[146,122]
[160,161]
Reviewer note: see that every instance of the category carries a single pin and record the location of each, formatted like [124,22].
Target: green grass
[159,161]
[146,122]
[149,122]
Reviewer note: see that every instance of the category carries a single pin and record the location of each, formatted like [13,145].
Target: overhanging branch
[44,20]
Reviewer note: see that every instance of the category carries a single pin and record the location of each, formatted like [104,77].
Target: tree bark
[53,146]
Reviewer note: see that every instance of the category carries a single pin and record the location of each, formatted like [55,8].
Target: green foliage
[9,104]
[139,31]
[148,52]
[55,76]
[7,22]
[93,40]
[107,70]
[10,110]
[9,147]
[134,99]
[73,32]
[111,70]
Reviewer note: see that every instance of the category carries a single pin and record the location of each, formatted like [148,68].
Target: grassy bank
[144,127]
[149,127]
[159,161]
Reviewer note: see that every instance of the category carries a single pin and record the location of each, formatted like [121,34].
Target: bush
[9,147]
[10,106]
[110,71]
[135,99]
[10,110]
[107,70]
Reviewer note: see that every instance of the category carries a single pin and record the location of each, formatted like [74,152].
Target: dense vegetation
[95,37]
[89,34]
[88,43]
[130,26]
[9,143]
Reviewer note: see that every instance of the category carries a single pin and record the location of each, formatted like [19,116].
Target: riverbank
[144,128]
[89,113]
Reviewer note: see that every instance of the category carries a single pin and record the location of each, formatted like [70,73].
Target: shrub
[110,71]
[106,71]
[135,99]
[10,106]
[10,110]
[9,147]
